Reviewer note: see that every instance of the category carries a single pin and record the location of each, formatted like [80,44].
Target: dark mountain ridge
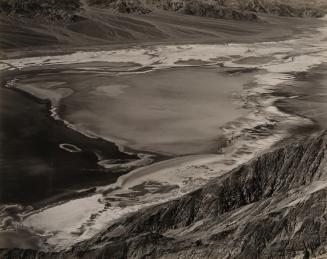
[225,9]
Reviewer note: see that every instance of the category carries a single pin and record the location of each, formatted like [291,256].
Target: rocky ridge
[275,206]
[223,9]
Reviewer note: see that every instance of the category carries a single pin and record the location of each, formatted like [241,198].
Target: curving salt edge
[94,212]
[70,148]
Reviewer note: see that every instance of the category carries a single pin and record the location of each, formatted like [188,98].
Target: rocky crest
[224,9]
[275,206]
[122,6]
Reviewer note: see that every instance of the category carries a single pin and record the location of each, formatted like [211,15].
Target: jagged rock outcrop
[123,6]
[215,10]
[284,8]
[275,206]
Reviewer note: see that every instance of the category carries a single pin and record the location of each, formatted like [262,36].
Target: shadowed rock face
[272,207]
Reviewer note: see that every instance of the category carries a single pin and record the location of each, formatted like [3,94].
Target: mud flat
[172,111]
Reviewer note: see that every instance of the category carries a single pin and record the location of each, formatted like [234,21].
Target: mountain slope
[272,207]
[74,24]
